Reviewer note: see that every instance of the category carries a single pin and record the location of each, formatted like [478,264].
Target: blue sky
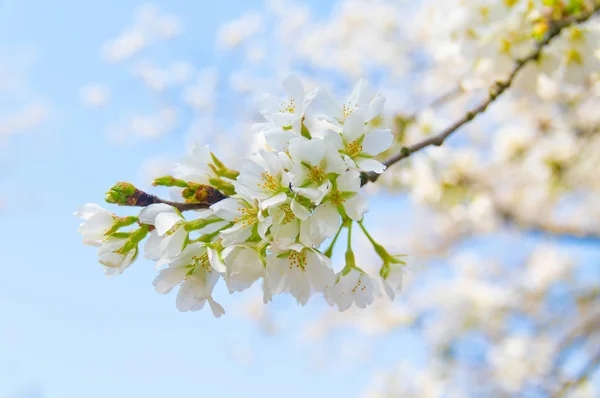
[66,330]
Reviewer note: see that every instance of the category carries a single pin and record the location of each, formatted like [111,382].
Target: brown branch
[143,199]
[572,231]
[584,375]
[495,91]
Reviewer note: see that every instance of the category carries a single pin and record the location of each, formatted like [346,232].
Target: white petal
[354,126]
[366,164]
[316,195]
[333,140]
[324,102]
[215,260]
[318,268]
[349,181]
[295,90]
[236,234]
[148,214]
[263,226]
[277,137]
[227,209]
[171,246]
[327,219]
[361,93]
[299,211]
[94,228]
[388,289]
[88,210]
[273,201]
[334,162]
[356,207]
[165,221]
[310,151]
[268,104]
[377,141]
[168,278]
[215,307]
[375,107]
[151,247]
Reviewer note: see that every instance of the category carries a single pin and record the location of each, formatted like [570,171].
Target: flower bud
[121,193]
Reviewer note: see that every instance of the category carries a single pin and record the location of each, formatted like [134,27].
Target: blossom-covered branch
[268,220]
[554,29]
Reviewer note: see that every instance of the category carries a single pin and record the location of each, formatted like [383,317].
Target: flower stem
[367,234]
[350,236]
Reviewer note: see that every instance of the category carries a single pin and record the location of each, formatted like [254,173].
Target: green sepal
[134,239]
[226,187]
[170,181]
[121,222]
[304,131]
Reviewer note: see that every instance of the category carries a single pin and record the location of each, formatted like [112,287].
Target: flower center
[201,261]
[248,216]
[297,259]
[354,148]
[268,182]
[288,107]
[359,286]
[348,108]
[316,174]
[288,214]
[336,198]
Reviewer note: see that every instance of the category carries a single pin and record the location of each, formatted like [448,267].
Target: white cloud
[24,119]
[145,126]
[233,33]
[94,95]
[149,25]
[159,79]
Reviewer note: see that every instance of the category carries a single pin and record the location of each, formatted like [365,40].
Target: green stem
[200,223]
[350,236]
[209,237]
[367,234]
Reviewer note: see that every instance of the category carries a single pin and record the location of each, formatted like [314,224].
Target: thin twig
[143,199]
[495,91]
[532,225]
[584,375]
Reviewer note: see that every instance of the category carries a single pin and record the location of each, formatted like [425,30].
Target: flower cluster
[267,220]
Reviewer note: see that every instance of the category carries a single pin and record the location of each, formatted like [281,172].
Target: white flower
[393,282]
[268,182]
[359,145]
[293,223]
[355,287]
[244,266]
[344,197]
[285,117]
[197,270]
[169,224]
[247,219]
[300,272]
[314,162]
[115,262]
[97,221]
[194,166]
[363,97]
